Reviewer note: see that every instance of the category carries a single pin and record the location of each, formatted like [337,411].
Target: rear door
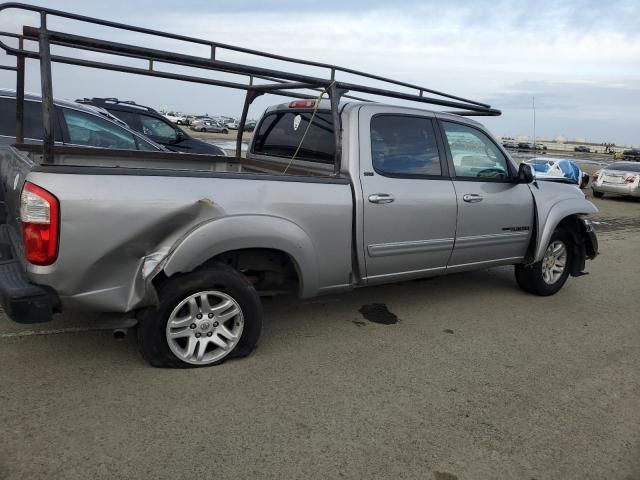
[409,204]
[495,214]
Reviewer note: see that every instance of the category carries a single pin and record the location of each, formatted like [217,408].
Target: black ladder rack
[281,82]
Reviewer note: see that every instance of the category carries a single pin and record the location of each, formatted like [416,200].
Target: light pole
[534,121]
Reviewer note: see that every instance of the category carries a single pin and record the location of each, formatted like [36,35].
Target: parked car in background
[539,146]
[620,178]
[176,118]
[524,145]
[250,126]
[152,124]
[232,125]
[632,155]
[582,149]
[558,168]
[77,124]
[510,144]
[208,126]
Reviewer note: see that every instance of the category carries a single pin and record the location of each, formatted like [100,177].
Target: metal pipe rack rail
[282,82]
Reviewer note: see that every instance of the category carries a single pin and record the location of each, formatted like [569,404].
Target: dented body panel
[118,231]
[554,202]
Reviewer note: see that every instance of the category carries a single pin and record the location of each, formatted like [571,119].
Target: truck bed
[123,215]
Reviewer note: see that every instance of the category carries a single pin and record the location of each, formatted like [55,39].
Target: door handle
[472,198]
[381,198]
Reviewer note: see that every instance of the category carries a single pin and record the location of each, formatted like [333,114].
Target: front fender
[550,217]
[247,231]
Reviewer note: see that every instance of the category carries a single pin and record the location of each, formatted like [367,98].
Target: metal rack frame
[282,82]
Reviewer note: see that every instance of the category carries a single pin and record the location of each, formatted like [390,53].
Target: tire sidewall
[530,277]
[153,321]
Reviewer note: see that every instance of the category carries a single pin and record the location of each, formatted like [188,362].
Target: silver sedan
[621,178]
[208,126]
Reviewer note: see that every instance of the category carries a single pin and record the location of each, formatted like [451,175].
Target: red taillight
[631,178]
[40,216]
[302,104]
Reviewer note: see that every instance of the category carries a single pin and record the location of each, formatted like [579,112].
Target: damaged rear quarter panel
[117,232]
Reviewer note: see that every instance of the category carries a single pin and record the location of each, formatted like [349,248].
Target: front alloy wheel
[547,276]
[554,262]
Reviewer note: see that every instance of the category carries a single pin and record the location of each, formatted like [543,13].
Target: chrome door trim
[497,261]
[411,273]
[417,246]
[492,239]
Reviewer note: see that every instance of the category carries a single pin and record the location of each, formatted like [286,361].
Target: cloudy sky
[580,59]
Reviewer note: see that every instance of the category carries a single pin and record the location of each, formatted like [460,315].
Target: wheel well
[571,224]
[270,271]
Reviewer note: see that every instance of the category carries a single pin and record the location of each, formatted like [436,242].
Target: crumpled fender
[553,204]
[246,231]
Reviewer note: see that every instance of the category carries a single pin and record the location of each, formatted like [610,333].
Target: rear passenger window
[404,145]
[32,119]
[281,133]
[93,131]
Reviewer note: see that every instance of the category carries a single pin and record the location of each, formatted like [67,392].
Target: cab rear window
[281,133]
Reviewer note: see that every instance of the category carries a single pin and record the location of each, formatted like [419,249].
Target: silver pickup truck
[419,194]
[187,244]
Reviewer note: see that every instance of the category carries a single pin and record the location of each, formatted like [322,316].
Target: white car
[176,118]
[620,178]
[544,167]
[232,125]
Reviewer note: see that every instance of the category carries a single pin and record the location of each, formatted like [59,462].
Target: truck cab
[433,192]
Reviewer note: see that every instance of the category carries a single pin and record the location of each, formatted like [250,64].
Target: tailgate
[23,301]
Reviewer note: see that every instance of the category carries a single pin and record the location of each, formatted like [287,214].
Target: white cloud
[475,49]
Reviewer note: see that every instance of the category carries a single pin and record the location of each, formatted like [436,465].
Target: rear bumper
[619,189]
[22,301]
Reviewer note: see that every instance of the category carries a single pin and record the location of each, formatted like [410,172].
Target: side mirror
[525,173]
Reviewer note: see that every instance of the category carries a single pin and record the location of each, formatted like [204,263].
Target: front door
[409,203]
[495,214]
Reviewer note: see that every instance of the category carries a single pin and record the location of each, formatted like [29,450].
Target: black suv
[632,155]
[150,123]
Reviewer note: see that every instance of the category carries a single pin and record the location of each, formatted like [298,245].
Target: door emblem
[515,229]
[296,122]
[15,181]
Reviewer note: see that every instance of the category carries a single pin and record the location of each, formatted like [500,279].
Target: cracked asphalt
[475,380]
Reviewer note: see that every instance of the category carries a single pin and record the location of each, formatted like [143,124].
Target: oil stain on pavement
[378,313]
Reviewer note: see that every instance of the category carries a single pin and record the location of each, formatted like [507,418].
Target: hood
[556,191]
